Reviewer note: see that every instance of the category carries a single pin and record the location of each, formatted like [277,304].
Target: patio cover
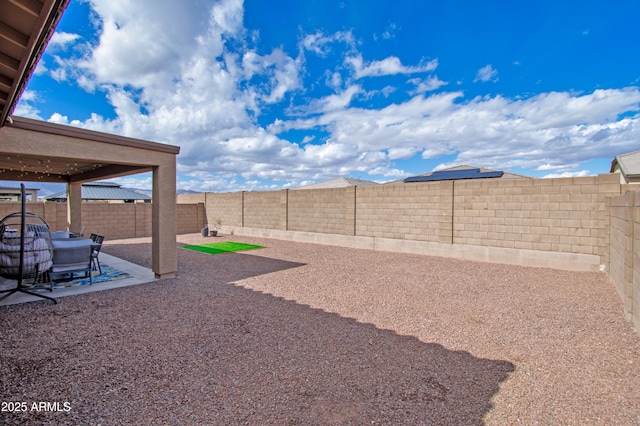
[33,150]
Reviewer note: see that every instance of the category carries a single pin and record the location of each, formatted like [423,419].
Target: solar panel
[455,175]
[495,174]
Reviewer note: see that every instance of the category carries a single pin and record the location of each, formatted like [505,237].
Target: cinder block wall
[55,214]
[190,198]
[624,271]
[191,217]
[114,221]
[265,210]
[636,261]
[142,215]
[227,207]
[409,212]
[111,220]
[321,210]
[564,215]
[567,215]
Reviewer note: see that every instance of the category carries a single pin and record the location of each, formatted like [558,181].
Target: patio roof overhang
[33,150]
[39,151]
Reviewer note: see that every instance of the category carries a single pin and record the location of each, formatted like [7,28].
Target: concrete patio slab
[139,275]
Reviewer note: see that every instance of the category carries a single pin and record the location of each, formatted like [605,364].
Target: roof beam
[18,175]
[13,36]
[110,171]
[32,7]
[9,62]
[5,81]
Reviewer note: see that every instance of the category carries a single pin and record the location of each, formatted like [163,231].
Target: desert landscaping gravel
[304,334]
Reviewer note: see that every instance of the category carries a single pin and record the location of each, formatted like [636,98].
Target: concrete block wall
[566,215]
[560,215]
[635,315]
[227,207]
[114,221]
[119,221]
[142,216]
[265,209]
[407,212]
[190,198]
[190,217]
[55,214]
[624,271]
[321,210]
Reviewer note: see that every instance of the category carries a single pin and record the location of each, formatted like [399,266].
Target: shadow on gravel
[199,350]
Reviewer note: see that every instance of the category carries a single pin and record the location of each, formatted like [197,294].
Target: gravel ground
[317,335]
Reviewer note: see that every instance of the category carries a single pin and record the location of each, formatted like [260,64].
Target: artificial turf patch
[217,248]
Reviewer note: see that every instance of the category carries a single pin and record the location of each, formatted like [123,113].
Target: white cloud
[25,107]
[59,74]
[389,32]
[547,167]
[338,101]
[62,39]
[139,44]
[138,182]
[555,130]
[429,84]
[322,44]
[281,71]
[580,173]
[388,66]
[486,73]
[41,68]
[403,152]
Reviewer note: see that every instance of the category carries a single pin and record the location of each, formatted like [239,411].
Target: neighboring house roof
[339,183]
[102,191]
[459,172]
[628,165]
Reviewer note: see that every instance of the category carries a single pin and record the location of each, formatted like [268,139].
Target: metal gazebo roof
[95,191]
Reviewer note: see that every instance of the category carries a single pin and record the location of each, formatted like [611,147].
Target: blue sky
[269,95]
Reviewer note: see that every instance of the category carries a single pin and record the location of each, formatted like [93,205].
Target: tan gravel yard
[308,334]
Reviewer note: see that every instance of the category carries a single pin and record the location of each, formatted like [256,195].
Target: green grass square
[225,247]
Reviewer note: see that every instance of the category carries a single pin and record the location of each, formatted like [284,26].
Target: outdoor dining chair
[97,246]
[71,255]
